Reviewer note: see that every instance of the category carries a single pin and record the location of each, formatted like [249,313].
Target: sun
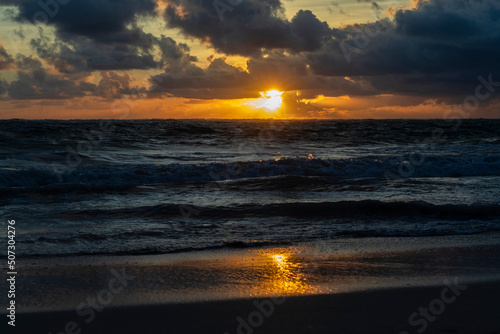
[272,100]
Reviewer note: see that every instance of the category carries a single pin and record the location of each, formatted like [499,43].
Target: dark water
[135,187]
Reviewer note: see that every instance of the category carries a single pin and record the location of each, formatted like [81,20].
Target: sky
[234,59]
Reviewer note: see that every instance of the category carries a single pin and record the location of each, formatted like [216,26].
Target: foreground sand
[476,311]
[405,285]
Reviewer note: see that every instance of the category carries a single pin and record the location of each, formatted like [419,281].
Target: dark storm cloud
[440,20]
[441,47]
[438,49]
[100,35]
[247,27]
[175,56]
[92,34]
[291,72]
[182,77]
[6,60]
[96,19]
[35,82]
[218,80]
[3,87]
[84,54]
[277,70]
[113,85]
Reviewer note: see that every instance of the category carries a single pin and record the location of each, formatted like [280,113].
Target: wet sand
[476,311]
[332,287]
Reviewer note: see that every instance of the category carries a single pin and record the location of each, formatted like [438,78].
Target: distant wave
[131,134]
[133,175]
[368,208]
[161,250]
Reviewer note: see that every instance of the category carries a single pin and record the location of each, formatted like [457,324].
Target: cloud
[3,87]
[219,80]
[248,27]
[35,82]
[92,34]
[441,20]
[114,85]
[99,35]
[82,54]
[175,57]
[438,48]
[435,47]
[100,20]
[6,60]
[274,70]
[283,71]
[376,7]
[335,6]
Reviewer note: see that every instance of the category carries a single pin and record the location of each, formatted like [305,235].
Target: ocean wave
[133,175]
[158,250]
[160,229]
[351,209]
[160,243]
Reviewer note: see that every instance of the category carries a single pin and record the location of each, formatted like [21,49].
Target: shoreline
[326,267]
[372,285]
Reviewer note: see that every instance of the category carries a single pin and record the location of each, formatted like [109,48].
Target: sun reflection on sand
[286,275]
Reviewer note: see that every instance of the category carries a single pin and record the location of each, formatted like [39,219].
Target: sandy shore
[434,285]
[475,310]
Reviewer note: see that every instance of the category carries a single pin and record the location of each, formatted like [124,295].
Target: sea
[134,187]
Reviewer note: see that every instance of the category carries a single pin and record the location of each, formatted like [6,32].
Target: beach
[380,311]
[330,287]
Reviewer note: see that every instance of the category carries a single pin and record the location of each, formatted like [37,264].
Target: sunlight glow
[280,259]
[270,101]
[274,100]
